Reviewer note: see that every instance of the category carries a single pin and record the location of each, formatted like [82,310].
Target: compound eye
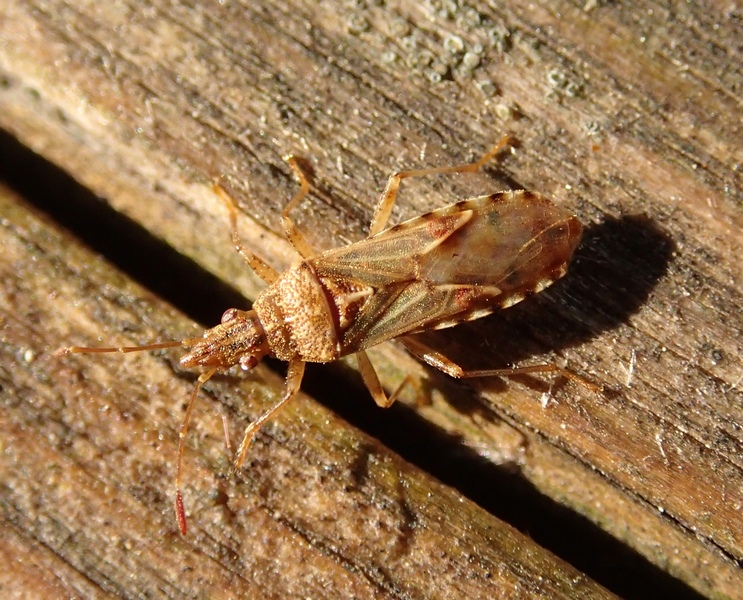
[248,362]
[229,315]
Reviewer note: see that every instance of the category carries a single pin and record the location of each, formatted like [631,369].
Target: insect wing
[517,241]
[455,264]
[479,241]
[402,309]
[392,256]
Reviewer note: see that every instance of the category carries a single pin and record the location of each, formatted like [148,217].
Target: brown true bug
[455,264]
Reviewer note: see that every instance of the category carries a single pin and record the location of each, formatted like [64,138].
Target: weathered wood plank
[320,510]
[620,111]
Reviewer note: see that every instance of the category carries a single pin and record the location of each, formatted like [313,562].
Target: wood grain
[630,115]
[321,511]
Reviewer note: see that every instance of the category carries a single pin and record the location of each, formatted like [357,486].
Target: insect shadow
[613,272]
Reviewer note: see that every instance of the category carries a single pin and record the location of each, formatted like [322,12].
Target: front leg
[260,267]
[293,383]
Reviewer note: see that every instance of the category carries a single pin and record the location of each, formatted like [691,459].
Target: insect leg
[387,200]
[292,232]
[226,428]
[180,513]
[444,364]
[293,381]
[371,380]
[261,268]
[122,349]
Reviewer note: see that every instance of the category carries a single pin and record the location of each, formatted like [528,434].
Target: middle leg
[292,232]
[371,380]
[387,200]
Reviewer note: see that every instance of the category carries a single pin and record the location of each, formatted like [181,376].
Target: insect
[455,264]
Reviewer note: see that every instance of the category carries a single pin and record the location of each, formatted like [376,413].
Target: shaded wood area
[629,114]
